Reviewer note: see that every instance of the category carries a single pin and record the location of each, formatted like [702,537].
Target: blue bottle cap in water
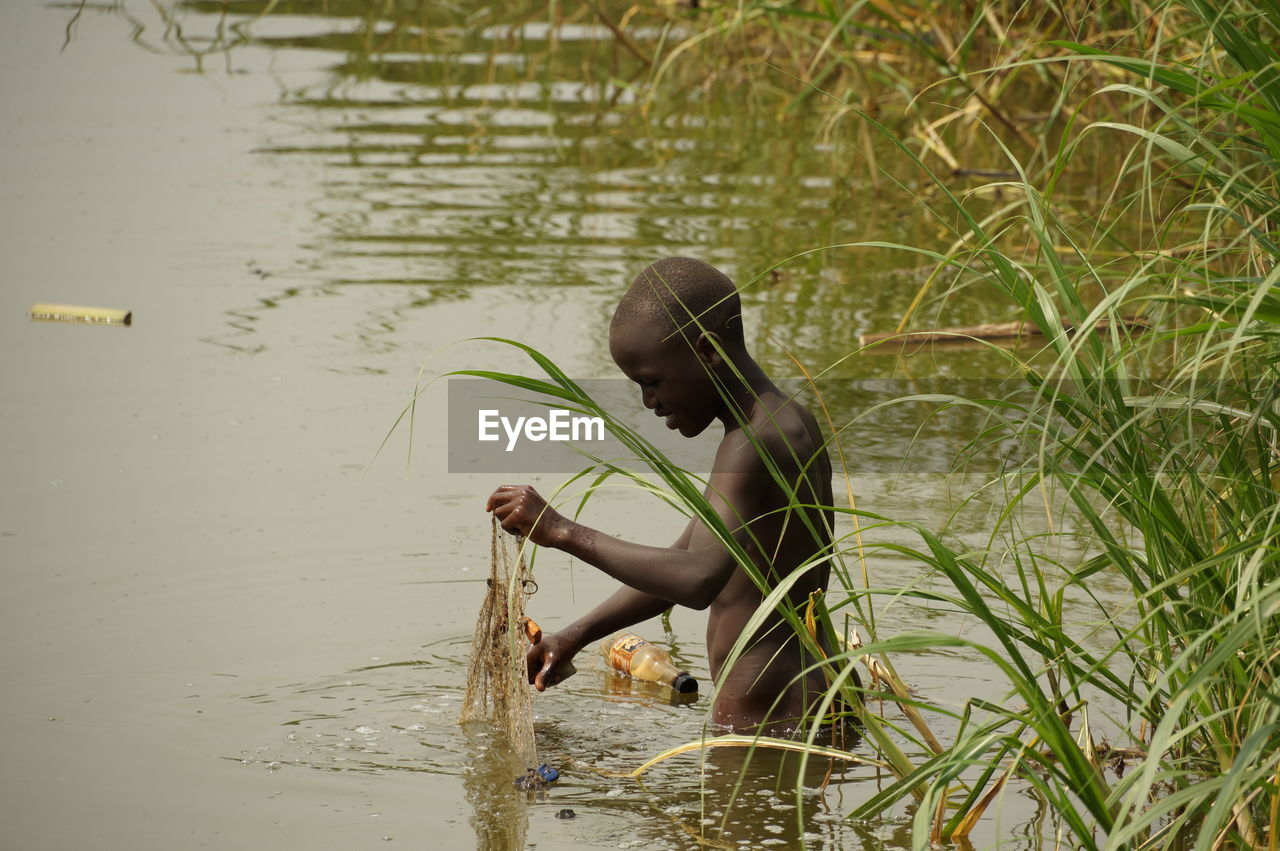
[547,773]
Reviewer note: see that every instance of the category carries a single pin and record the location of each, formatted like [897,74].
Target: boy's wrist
[573,632]
[562,534]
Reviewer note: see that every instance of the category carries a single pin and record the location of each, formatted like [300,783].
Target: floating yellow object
[74,313]
[739,741]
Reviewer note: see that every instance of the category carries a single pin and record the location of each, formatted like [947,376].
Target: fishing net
[497,685]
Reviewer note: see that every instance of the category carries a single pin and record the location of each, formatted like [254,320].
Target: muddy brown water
[225,623]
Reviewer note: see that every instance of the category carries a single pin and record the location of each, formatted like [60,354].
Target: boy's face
[673,380]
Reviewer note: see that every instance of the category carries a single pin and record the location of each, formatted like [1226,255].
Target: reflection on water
[500,811]
[401,717]
[384,717]
[446,148]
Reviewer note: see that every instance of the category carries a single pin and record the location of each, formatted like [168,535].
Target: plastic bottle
[634,656]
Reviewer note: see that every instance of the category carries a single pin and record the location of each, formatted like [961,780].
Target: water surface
[225,623]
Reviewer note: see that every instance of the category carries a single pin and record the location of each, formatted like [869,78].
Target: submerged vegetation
[1156,444]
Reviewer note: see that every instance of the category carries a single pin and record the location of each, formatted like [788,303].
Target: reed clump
[1159,450]
[945,74]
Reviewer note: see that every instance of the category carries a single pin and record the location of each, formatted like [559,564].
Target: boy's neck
[744,385]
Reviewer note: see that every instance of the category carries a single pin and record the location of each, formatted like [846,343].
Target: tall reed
[1163,447]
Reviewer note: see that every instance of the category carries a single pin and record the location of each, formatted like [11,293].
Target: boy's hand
[522,511]
[548,660]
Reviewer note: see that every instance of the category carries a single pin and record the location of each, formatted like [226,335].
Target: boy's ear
[708,351]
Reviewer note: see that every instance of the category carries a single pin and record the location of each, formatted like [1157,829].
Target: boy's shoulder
[779,432]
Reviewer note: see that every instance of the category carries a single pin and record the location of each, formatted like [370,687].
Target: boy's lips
[666,415]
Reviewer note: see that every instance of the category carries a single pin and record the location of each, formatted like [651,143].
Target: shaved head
[682,295]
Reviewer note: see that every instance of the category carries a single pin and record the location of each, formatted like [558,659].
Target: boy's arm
[690,577]
[626,607]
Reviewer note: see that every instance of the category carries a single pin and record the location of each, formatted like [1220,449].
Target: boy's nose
[649,398]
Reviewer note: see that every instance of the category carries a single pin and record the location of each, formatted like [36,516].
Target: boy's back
[780,542]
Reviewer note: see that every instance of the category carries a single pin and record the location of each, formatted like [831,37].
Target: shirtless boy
[677,333]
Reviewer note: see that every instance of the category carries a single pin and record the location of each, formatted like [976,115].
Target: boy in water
[677,333]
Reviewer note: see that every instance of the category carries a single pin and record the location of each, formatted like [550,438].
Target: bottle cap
[684,683]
